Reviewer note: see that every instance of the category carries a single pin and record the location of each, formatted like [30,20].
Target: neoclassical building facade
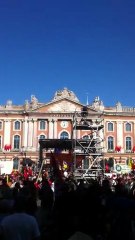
[21,126]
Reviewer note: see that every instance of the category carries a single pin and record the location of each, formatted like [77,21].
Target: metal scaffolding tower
[85,144]
[87,139]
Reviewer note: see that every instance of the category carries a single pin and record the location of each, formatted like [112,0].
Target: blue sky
[87,46]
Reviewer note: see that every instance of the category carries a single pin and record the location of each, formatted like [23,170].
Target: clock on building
[64,124]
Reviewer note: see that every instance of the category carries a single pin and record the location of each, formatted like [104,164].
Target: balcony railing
[110,150]
[128,151]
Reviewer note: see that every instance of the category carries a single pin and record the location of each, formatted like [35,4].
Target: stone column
[55,129]
[30,132]
[7,131]
[25,132]
[101,137]
[35,133]
[119,141]
[50,133]
[104,135]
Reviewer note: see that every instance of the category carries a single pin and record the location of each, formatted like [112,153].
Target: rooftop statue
[65,93]
[34,101]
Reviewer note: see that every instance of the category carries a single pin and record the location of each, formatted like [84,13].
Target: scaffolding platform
[87,147]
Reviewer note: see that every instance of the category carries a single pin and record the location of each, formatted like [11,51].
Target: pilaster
[7,131]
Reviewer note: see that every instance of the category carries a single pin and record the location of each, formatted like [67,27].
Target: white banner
[6,166]
[122,168]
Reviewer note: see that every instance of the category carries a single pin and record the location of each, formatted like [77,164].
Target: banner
[6,166]
[122,168]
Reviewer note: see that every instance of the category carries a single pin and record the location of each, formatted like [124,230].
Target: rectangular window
[110,143]
[128,127]
[128,143]
[17,125]
[16,142]
[110,127]
[42,125]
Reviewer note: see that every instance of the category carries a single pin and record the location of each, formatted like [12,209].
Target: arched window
[128,127]
[110,143]
[16,142]
[110,127]
[64,135]
[42,125]
[42,136]
[128,143]
[86,137]
[17,125]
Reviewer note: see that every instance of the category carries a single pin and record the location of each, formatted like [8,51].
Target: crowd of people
[60,207]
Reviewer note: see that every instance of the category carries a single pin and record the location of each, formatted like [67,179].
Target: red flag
[7,147]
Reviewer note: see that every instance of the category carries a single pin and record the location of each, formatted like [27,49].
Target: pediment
[60,106]
[63,105]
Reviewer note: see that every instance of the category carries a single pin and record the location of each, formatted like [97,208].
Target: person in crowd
[19,225]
